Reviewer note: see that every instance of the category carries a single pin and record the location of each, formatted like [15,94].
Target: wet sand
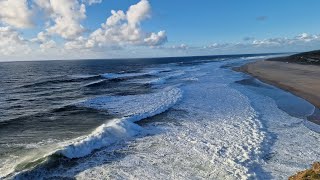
[301,80]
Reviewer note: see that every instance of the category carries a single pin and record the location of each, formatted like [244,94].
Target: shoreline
[299,79]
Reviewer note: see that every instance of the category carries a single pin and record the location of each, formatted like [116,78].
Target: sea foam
[124,75]
[133,108]
[128,75]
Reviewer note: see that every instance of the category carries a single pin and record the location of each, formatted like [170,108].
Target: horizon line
[145,58]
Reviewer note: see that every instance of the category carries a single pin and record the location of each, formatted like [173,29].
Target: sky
[105,29]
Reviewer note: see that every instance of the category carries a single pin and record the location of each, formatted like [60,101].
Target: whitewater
[199,121]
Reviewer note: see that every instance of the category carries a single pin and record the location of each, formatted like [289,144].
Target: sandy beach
[299,79]
[298,74]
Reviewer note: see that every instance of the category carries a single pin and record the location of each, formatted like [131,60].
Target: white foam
[83,76]
[165,74]
[292,143]
[160,80]
[127,75]
[115,76]
[262,57]
[155,71]
[218,131]
[214,134]
[134,108]
[94,82]
[254,57]
[176,72]
[104,135]
[222,136]
[153,81]
[191,79]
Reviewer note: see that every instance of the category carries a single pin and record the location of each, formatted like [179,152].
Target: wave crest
[132,108]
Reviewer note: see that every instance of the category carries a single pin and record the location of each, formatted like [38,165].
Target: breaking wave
[130,109]
[133,108]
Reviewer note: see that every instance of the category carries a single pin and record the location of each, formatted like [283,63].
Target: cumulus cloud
[41,37]
[66,15]
[63,31]
[44,40]
[138,12]
[302,38]
[176,47]
[180,47]
[115,18]
[271,42]
[307,37]
[16,13]
[78,43]
[217,46]
[90,2]
[301,42]
[122,28]
[12,42]
[156,39]
[48,45]
[62,34]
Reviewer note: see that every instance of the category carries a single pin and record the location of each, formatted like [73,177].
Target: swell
[122,128]
[118,129]
[146,73]
[95,78]
[119,77]
[95,83]
[22,120]
[62,79]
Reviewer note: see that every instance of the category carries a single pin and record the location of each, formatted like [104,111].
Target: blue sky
[210,21]
[72,29]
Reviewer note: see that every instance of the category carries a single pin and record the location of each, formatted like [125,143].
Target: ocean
[160,118]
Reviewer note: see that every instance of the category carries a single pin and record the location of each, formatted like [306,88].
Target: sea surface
[163,118]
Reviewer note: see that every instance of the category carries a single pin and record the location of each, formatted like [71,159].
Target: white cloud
[78,43]
[11,42]
[45,41]
[122,28]
[63,20]
[115,18]
[41,37]
[138,13]
[270,42]
[179,47]
[16,13]
[217,46]
[48,45]
[301,38]
[299,43]
[66,15]
[307,37]
[62,33]
[281,42]
[90,2]
[44,5]
[156,39]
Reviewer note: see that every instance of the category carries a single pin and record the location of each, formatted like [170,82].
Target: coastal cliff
[309,174]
